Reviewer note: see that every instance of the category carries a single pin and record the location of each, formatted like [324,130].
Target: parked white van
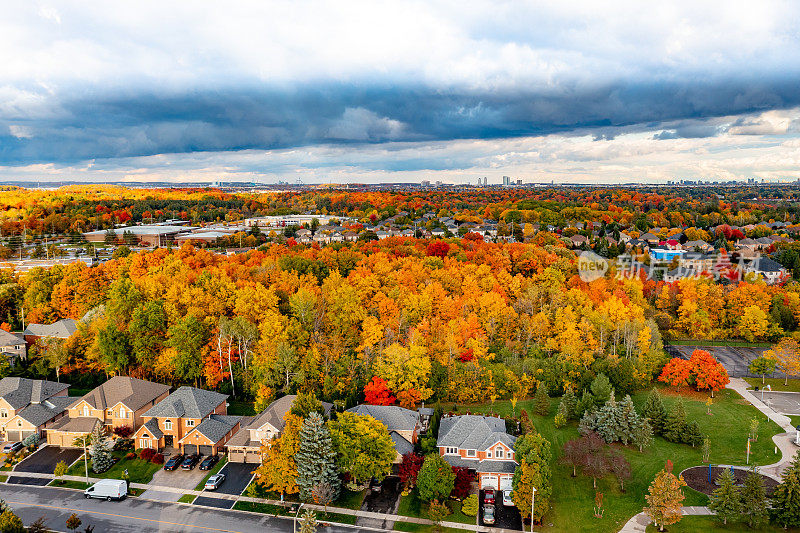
[107,489]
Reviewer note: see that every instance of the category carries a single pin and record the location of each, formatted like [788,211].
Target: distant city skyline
[378,91]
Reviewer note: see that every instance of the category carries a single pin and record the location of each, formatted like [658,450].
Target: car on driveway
[12,447]
[174,462]
[209,462]
[190,462]
[488,514]
[488,496]
[375,486]
[214,482]
[507,501]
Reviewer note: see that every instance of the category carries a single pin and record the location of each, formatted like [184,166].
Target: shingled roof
[19,392]
[275,413]
[472,432]
[396,418]
[187,402]
[62,329]
[39,413]
[9,339]
[215,427]
[134,393]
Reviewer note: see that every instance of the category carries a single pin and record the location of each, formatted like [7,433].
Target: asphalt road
[133,515]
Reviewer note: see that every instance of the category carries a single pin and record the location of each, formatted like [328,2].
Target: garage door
[489,481]
[236,456]
[253,457]
[505,482]
[206,450]
[17,436]
[189,448]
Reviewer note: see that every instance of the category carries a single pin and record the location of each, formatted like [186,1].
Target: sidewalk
[339,510]
[639,523]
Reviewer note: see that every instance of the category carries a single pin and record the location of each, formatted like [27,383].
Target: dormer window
[451,451]
[85,410]
[3,413]
[168,425]
[499,453]
[123,413]
[189,423]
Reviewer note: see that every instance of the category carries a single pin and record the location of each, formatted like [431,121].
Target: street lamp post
[294,526]
[533,500]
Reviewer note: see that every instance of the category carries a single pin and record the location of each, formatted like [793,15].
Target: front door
[168,441]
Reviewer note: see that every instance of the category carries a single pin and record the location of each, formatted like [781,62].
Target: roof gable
[187,402]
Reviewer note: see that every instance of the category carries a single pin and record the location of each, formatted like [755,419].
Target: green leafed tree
[363,446]
[762,365]
[114,348]
[188,338]
[534,456]
[726,501]
[316,459]
[147,331]
[436,479]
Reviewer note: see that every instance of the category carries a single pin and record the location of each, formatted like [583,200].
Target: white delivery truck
[107,489]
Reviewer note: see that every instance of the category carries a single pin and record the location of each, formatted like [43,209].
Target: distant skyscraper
[485,181]
[506,181]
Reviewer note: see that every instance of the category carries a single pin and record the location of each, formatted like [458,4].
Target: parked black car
[375,486]
[190,461]
[173,462]
[209,462]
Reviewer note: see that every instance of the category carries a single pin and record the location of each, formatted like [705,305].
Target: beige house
[167,423]
[29,406]
[120,401]
[245,446]
[12,346]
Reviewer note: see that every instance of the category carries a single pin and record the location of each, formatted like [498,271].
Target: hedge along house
[120,401]
[29,406]
[169,421]
[481,444]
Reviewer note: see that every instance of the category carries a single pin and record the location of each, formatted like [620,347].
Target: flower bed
[696,478]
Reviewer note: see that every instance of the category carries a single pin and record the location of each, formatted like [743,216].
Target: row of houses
[191,420]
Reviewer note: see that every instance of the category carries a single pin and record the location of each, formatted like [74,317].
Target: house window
[144,443]
[168,425]
[110,412]
[499,453]
[85,410]
[3,413]
[488,454]
[451,451]
[123,413]
[190,423]
[471,453]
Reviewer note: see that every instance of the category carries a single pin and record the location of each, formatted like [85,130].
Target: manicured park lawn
[775,384]
[139,470]
[217,468]
[573,498]
[692,524]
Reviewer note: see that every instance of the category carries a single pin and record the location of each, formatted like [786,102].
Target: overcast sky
[399,91]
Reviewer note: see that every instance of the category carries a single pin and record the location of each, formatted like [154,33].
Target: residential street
[135,515]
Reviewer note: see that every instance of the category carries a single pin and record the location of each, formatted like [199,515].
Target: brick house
[62,329]
[169,422]
[481,444]
[28,406]
[404,425]
[120,401]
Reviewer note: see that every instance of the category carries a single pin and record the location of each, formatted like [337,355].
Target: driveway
[179,479]
[44,460]
[504,517]
[384,501]
[39,482]
[237,477]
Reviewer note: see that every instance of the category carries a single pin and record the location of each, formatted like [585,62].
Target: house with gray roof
[481,444]
[211,435]
[770,270]
[12,346]
[256,431]
[169,421]
[28,406]
[63,329]
[404,425]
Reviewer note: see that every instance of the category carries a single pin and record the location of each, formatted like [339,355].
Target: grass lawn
[139,470]
[68,484]
[74,391]
[217,468]
[690,524]
[573,498]
[775,384]
[349,499]
[424,528]
[411,505]
[187,498]
[265,508]
[3,479]
[239,408]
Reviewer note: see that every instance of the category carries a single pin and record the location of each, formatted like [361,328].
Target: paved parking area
[45,459]
[505,517]
[39,482]
[384,501]
[214,502]
[179,479]
[785,403]
[735,359]
[237,477]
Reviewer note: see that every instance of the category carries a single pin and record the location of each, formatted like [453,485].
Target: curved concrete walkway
[639,523]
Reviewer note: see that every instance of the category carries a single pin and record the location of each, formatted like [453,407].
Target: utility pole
[533,500]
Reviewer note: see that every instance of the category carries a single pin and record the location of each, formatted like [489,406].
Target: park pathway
[784,442]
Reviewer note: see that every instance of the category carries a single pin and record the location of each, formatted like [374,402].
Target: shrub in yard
[130,455]
[157,459]
[470,505]
[123,431]
[31,441]
[123,444]
[147,454]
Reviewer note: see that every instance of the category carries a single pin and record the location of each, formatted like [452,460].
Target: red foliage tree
[707,372]
[409,468]
[438,249]
[463,483]
[123,431]
[676,372]
[376,392]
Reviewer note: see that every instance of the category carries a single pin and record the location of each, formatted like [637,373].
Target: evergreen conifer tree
[606,425]
[642,434]
[675,428]
[655,412]
[786,498]
[315,458]
[570,402]
[754,500]
[586,404]
[101,456]
[693,435]
[601,389]
[726,501]
[541,400]
[628,419]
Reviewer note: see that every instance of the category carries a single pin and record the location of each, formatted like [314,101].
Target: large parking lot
[735,359]
[45,459]
[786,403]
